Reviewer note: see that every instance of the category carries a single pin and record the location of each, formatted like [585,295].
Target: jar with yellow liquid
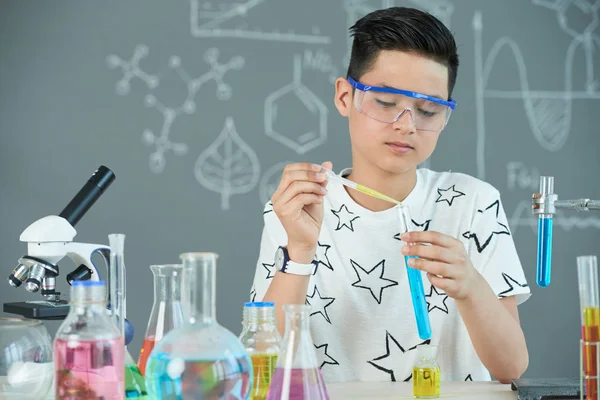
[426,373]
[262,342]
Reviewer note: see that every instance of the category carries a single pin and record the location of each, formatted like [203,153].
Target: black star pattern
[323,357]
[508,279]
[390,360]
[436,300]
[319,304]
[270,270]
[267,209]
[483,239]
[469,378]
[371,281]
[253,294]
[322,256]
[424,226]
[448,195]
[345,218]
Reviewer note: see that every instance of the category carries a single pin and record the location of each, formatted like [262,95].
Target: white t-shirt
[362,320]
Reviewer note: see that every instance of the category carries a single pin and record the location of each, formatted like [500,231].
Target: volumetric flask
[89,361]
[297,375]
[199,359]
[415,281]
[262,341]
[166,311]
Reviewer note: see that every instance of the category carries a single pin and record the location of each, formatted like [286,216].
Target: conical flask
[297,375]
[135,387]
[166,311]
[199,359]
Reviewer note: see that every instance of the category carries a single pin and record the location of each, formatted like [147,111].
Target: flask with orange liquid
[167,311]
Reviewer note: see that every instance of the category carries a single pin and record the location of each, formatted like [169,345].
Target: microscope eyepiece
[18,275]
[36,276]
[88,194]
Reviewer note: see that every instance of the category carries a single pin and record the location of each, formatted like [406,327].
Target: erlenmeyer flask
[297,375]
[166,311]
[135,387]
[199,359]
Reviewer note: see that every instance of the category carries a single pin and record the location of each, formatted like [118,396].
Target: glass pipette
[358,187]
[415,282]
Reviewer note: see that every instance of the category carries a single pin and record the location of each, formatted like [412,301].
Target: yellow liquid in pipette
[374,193]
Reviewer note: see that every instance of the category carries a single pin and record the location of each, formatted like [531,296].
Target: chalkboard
[198,105]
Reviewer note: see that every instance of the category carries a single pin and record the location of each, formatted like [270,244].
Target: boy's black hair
[402,29]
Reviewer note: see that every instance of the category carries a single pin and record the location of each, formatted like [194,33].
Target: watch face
[279,258]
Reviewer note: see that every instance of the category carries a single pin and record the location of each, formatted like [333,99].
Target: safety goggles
[388,105]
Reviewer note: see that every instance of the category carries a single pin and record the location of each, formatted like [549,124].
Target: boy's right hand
[298,202]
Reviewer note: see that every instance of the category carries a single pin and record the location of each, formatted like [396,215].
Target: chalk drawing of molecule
[162,141]
[299,101]
[131,69]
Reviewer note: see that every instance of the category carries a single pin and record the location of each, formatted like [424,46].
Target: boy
[362,321]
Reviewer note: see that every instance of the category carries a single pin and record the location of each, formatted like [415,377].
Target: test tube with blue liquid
[415,281]
[544,243]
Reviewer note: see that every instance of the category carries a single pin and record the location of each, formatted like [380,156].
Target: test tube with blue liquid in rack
[544,242]
[415,281]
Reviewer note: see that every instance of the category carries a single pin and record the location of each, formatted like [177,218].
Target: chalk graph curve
[549,118]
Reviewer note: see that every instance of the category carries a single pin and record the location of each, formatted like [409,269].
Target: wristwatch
[285,265]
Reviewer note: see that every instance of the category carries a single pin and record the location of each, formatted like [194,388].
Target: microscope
[49,240]
[544,205]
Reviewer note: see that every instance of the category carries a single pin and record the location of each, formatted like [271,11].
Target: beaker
[166,311]
[135,387]
[262,342]
[297,374]
[199,359]
[88,348]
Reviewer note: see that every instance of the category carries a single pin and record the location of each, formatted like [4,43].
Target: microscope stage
[38,310]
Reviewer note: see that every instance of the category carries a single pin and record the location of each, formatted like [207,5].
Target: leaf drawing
[228,166]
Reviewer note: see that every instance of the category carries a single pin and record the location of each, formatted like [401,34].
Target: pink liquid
[303,384]
[89,370]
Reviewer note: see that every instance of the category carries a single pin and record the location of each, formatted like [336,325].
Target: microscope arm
[81,254]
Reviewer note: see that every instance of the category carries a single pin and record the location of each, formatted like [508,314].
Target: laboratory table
[403,390]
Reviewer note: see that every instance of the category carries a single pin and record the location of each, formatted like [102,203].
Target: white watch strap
[299,269]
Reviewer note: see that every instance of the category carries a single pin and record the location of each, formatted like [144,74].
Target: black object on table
[547,388]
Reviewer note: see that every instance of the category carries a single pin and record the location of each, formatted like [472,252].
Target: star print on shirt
[253,294]
[436,299]
[267,209]
[487,228]
[372,280]
[392,357]
[448,195]
[323,357]
[270,270]
[469,378]
[319,304]
[345,218]
[508,279]
[424,226]
[322,257]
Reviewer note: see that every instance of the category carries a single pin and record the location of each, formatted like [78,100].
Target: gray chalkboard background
[163,92]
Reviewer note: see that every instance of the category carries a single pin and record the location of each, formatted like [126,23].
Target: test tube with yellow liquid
[426,373]
[587,276]
[262,341]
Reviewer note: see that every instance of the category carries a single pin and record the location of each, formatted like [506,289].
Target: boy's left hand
[446,257]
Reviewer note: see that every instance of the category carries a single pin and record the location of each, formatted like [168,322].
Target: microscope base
[38,310]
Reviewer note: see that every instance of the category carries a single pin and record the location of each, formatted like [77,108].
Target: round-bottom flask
[200,359]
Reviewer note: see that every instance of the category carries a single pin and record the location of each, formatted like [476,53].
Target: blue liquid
[418,299]
[544,252]
[173,378]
